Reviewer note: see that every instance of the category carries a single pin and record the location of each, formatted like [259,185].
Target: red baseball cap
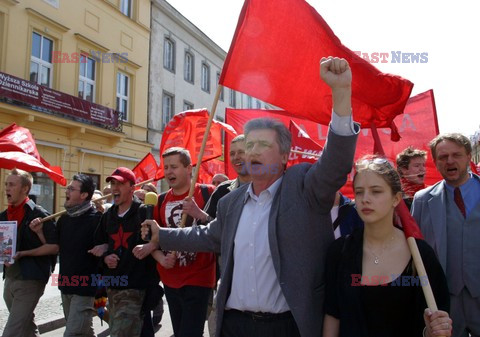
[122,174]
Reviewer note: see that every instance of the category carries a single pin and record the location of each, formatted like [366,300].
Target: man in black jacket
[77,280]
[25,279]
[126,277]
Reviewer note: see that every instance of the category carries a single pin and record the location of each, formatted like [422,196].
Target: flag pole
[53,216]
[196,171]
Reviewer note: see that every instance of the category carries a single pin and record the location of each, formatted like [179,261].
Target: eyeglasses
[71,189]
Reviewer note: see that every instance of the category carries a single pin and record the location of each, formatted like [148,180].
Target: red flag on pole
[208,169]
[275,54]
[146,168]
[15,138]
[302,142]
[186,130]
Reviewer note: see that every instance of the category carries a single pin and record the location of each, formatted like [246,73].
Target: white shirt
[255,285]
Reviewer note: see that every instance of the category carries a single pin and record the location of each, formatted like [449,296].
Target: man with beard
[411,167]
[25,280]
[188,277]
[126,278]
[448,214]
[76,231]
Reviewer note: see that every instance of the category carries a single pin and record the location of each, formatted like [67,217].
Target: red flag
[186,130]
[475,169]
[208,169]
[417,125]
[275,56]
[15,138]
[21,160]
[302,142]
[146,168]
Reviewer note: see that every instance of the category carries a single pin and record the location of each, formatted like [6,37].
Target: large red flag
[146,169]
[275,54]
[21,160]
[208,169]
[417,125]
[186,130]
[302,142]
[15,138]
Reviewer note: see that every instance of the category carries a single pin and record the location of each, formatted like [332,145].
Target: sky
[446,31]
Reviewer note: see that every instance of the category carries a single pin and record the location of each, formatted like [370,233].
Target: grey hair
[284,138]
[456,138]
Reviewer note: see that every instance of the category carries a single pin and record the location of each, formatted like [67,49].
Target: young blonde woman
[372,287]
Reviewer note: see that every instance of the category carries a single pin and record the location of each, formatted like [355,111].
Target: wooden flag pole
[202,149]
[305,153]
[53,216]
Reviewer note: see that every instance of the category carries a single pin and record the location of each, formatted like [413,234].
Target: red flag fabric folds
[275,54]
[15,138]
[15,159]
[302,142]
[146,169]
[208,169]
[186,130]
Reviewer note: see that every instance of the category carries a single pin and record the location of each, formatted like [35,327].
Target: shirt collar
[463,187]
[272,189]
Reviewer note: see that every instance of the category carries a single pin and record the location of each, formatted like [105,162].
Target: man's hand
[150,225]
[142,251]
[191,208]
[111,261]
[168,261]
[36,225]
[99,250]
[18,256]
[336,73]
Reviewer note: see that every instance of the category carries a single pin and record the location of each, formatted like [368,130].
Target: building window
[167,109]
[123,84]
[189,67]
[86,82]
[187,106]
[233,98]
[41,67]
[126,7]
[169,54]
[43,191]
[249,102]
[205,77]
[221,92]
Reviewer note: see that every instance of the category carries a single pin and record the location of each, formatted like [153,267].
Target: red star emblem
[120,238]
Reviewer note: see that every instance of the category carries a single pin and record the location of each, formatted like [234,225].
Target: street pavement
[49,315]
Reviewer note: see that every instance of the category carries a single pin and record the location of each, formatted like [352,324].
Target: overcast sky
[447,31]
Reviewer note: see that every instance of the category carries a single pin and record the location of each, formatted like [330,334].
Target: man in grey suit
[448,213]
[273,233]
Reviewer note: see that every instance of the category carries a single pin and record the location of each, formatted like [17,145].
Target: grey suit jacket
[430,212]
[299,232]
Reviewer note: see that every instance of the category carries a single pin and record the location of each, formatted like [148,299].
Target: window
[43,191]
[126,7]
[249,102]
[169,54]
[205,77]
[187,106]
[122,95]
[221,92]
[189,67]
[86,82]
[233,98]
[259,104]
[167,109]
[41,66]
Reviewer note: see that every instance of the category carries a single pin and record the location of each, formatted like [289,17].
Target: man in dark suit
[448,213]
[273,233]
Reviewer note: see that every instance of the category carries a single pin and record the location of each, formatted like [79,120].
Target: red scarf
[16,213]
[410,188]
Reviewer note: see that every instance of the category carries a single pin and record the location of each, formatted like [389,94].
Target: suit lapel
[272,229]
